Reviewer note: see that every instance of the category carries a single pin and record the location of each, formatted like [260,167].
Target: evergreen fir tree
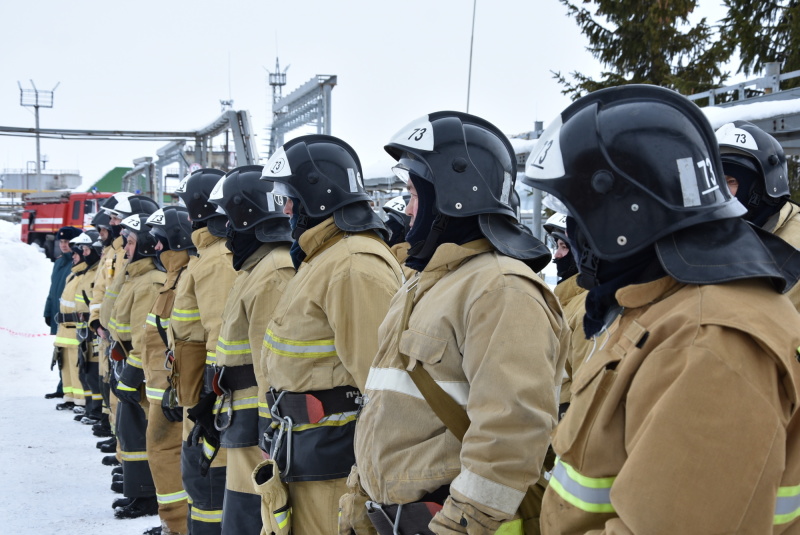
[647,42]
[764,32]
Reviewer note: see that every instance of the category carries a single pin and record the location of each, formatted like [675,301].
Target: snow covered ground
[51,479]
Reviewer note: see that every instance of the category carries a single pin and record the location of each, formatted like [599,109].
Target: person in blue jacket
[61,269]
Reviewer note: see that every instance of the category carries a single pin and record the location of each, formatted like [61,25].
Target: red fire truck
[46,212]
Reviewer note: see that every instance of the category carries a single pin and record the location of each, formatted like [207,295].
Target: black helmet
[171,225]
[472,167]
[145,242]
[324,173]
[637,166]
[108,205]
[132,204]
[87,238]
[249,203]
[632,164]
[194,191]
[101,220]
[757,161]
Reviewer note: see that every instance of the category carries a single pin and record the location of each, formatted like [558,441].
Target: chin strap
[587,268]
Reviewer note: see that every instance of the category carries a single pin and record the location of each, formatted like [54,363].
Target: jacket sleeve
[356,304]
[98,289]
[513,356]
[144,297]
[214,284]
[706,440]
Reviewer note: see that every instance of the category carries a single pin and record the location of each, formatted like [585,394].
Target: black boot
[121,502]
[103,428]
[78,417]
[66,406]
[111,440]
[110,460]
[138,507]
[54,395]
[116,486]
[153,531]
[116,470]
[111,447]
[116,477]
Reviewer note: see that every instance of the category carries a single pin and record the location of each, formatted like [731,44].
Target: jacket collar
[140,267]
[315,237]
[639,295]
[174,260]
[449,257]
[787,211]
[567,290]
[256,257]
[203,239]
[80,266]
[117,243]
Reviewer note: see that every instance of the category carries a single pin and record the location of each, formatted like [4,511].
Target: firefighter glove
[169,406]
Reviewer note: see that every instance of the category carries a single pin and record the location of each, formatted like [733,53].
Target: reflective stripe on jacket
[489,331]
[679,420]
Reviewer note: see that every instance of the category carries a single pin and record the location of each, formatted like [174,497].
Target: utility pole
[33,98]
[471,41]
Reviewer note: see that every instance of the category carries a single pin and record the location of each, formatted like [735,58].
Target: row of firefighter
[273,357]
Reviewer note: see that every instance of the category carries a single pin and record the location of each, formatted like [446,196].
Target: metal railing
[771,83]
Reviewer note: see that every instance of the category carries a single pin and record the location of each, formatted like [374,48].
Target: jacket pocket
[590,388]
[422,347]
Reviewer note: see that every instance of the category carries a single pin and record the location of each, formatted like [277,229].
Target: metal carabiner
[226,398]
[287,421]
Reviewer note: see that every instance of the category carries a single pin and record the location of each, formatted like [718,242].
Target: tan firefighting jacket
[258,288]
[112,260]
[65,336]
[142,282]
[573,301]
[787,227]
[491,334]
[400,252]
[678,420]
[115,278]
[83,297]
[201,294]
[156,373]
[324,330]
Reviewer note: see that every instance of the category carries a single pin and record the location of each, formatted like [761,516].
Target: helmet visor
[407,165]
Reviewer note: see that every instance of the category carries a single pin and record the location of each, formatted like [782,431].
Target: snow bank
[52,477]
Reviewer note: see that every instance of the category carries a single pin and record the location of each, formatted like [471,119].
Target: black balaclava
[92,258]
[115,231]
[298,215]
[751,191]
[565,267]
[242,244]
[601,302]
[458,230]
[397,228]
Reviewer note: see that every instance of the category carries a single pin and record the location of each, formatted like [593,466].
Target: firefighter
[571,296]
[102,222]
[758,176]
[61,270]
[397,221]
[118,207]
[88,359]
[173,231]
[195,323]
[678,419]
[67,340]
[320,342]
[481,327]
[142,283]
[259,237]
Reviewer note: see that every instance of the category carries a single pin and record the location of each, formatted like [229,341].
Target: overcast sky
[164,65]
